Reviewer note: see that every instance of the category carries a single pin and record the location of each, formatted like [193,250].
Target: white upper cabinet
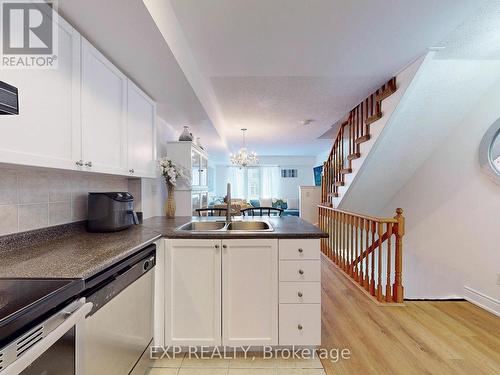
[47,130]
[78,116]
[104,113]
[250,292]
[141,117]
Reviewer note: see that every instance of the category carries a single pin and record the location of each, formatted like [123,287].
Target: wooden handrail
[368,249]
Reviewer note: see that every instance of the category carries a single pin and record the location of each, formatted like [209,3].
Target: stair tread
[339,183]
[353,156]
[346,170]
[370,120]
[386,93]
[362,139]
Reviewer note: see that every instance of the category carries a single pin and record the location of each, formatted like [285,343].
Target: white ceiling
[269,64]
[125,32]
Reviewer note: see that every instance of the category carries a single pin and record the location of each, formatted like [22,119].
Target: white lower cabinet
[300,292]
[300,324]
[230,292]
[250,292]
[193,293]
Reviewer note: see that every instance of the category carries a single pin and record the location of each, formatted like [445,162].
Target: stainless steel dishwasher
[116,335]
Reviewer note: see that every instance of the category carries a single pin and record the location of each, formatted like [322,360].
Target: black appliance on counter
[9,101]
[110,212]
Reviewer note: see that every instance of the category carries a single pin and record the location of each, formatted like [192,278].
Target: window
[289,173]
[253,183]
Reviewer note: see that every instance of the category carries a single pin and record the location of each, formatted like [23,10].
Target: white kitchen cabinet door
[104,113]
[250,292]
[141,116]
[47,130]
[193,292]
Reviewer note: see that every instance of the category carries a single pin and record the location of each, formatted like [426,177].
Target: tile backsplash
[32,198]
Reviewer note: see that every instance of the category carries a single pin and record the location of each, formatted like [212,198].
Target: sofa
[289,206]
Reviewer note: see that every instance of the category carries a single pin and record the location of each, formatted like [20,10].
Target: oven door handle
[40,347]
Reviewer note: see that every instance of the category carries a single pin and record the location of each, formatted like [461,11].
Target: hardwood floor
[419,338]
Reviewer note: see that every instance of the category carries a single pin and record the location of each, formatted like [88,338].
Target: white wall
[153,192]
[452,216]
[289,186]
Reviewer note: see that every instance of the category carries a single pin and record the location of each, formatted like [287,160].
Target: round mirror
[489,152]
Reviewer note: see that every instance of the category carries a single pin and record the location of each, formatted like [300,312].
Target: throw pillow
[266,202]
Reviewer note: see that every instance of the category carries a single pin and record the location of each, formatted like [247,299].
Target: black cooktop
[26,302]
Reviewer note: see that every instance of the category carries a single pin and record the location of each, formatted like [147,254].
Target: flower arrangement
[172,172]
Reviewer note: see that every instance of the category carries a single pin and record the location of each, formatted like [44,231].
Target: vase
[170,202]
[186,135]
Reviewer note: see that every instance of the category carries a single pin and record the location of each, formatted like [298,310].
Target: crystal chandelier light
[244,158]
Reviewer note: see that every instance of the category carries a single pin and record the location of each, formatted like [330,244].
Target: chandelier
[244,158]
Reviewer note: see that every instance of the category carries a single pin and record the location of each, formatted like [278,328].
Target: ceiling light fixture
[244,158]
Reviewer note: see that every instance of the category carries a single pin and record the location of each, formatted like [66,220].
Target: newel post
[398,285]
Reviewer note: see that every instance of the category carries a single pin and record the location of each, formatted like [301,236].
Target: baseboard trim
[482,300]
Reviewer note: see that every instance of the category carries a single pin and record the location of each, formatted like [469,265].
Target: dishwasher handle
[72,318]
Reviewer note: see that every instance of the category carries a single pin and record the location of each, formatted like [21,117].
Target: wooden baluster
[398,285]
[336,230]
[330,227]
[379,267]
[388,292]
[367,256]
[372,261]
[361,249]
[355,267]
[351,247]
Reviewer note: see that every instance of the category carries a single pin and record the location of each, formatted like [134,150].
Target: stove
[26,302]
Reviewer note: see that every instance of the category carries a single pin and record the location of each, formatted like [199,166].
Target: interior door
[47,130]
[250,292]
[104,104]
[141,150]
[193,293]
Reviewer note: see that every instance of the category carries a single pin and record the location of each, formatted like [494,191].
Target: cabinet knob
[131,170]
[301,250]
[299,294]
[224,246]
[301,272]
[299,327]
[216,246]
[79,163]
[88,164]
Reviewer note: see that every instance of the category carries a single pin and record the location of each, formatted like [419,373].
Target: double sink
[222,226]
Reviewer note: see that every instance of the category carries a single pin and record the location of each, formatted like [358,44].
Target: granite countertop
[69,251]
[284,227]
[73,254]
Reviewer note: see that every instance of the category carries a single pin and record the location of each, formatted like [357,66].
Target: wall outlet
[498,278]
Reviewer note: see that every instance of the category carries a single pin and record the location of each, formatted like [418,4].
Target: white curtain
[270,180]
[236,177]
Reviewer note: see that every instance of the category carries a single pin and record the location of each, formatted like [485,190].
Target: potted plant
[172,173]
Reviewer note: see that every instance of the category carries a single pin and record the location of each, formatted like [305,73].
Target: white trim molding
[479,299]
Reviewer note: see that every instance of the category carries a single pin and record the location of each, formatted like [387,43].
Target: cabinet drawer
[299,249]
[300,270]
[300,324]
[300,292]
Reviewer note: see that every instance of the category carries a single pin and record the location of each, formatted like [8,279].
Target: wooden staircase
[367,249]
[347,146]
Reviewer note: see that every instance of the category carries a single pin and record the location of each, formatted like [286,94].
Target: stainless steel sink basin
[252,226]
[221,226]
[203,226]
